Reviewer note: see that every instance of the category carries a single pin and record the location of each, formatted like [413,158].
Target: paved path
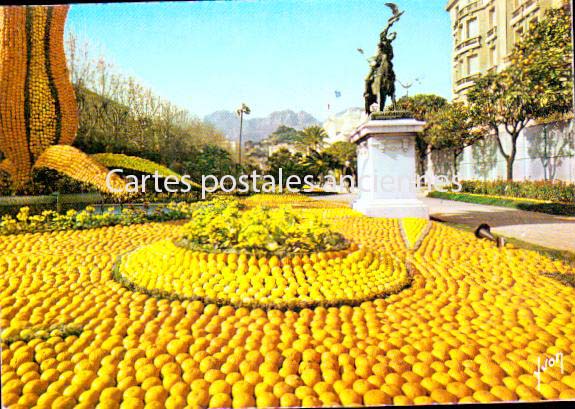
[545,230]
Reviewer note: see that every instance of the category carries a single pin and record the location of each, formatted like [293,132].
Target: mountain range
[256,129]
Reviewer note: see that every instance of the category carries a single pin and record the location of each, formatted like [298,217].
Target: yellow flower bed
[470,328]
[88,218]
[327,279]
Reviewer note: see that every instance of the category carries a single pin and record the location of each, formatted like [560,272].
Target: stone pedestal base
[386,169]
[392,208]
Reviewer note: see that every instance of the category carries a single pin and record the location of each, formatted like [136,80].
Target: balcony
[524,10]
[465,82]
[466,45]
[491,34]
[470,8]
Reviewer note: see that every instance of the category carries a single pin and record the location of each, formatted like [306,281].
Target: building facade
[484,33]
[339,127]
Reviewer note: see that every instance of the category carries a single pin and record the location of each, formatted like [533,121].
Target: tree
[256,153]
[421,106]
[290,163]
[210,160]
[545,56]
[453,128]
[312,139]
[284,134]
[119,115]
[538,83]
[318,164]
[344,153]
[241,111]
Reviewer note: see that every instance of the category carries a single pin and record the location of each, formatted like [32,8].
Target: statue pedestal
[386,169]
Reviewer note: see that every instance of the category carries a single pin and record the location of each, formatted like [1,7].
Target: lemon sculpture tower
[38,110]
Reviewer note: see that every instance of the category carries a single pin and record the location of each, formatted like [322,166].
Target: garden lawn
[532,205]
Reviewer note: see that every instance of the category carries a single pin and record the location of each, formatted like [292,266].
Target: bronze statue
[380,82]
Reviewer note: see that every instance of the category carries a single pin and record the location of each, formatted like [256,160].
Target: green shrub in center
[222,226]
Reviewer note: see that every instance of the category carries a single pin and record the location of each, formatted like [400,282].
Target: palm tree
[243,109]
[319,164]
[312,138]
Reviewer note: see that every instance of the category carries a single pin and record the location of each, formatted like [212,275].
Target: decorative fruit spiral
[38,110]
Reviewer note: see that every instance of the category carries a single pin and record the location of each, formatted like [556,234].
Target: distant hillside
[256,129]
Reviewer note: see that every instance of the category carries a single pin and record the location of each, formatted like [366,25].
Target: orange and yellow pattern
[470,328]
[36,94]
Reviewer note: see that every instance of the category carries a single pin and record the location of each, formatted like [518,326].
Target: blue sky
[273,55]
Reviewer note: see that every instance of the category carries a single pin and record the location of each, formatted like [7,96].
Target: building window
[492,56]
[472,65]
[492,18]
[462,4]
[472,28]
[518,35]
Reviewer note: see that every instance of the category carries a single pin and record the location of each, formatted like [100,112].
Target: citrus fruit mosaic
[261,257]
[328,278]
[470,327]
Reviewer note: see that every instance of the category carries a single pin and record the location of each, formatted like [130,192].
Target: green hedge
[554,191]
[560,209]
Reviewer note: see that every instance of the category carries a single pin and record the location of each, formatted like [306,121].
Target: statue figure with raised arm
[380,82]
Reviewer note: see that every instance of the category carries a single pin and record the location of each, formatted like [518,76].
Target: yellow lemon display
[350,276]
[191,328]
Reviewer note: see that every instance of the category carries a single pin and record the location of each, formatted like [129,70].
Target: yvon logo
[550,362]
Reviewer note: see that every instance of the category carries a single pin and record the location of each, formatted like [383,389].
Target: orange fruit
[443,396]
[376,397]
[289,400]
[484,396]
[267,399]
[199,397]
[349,397]
[220,400]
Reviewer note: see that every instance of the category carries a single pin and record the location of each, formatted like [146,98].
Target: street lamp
[408,85]
[243,109]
